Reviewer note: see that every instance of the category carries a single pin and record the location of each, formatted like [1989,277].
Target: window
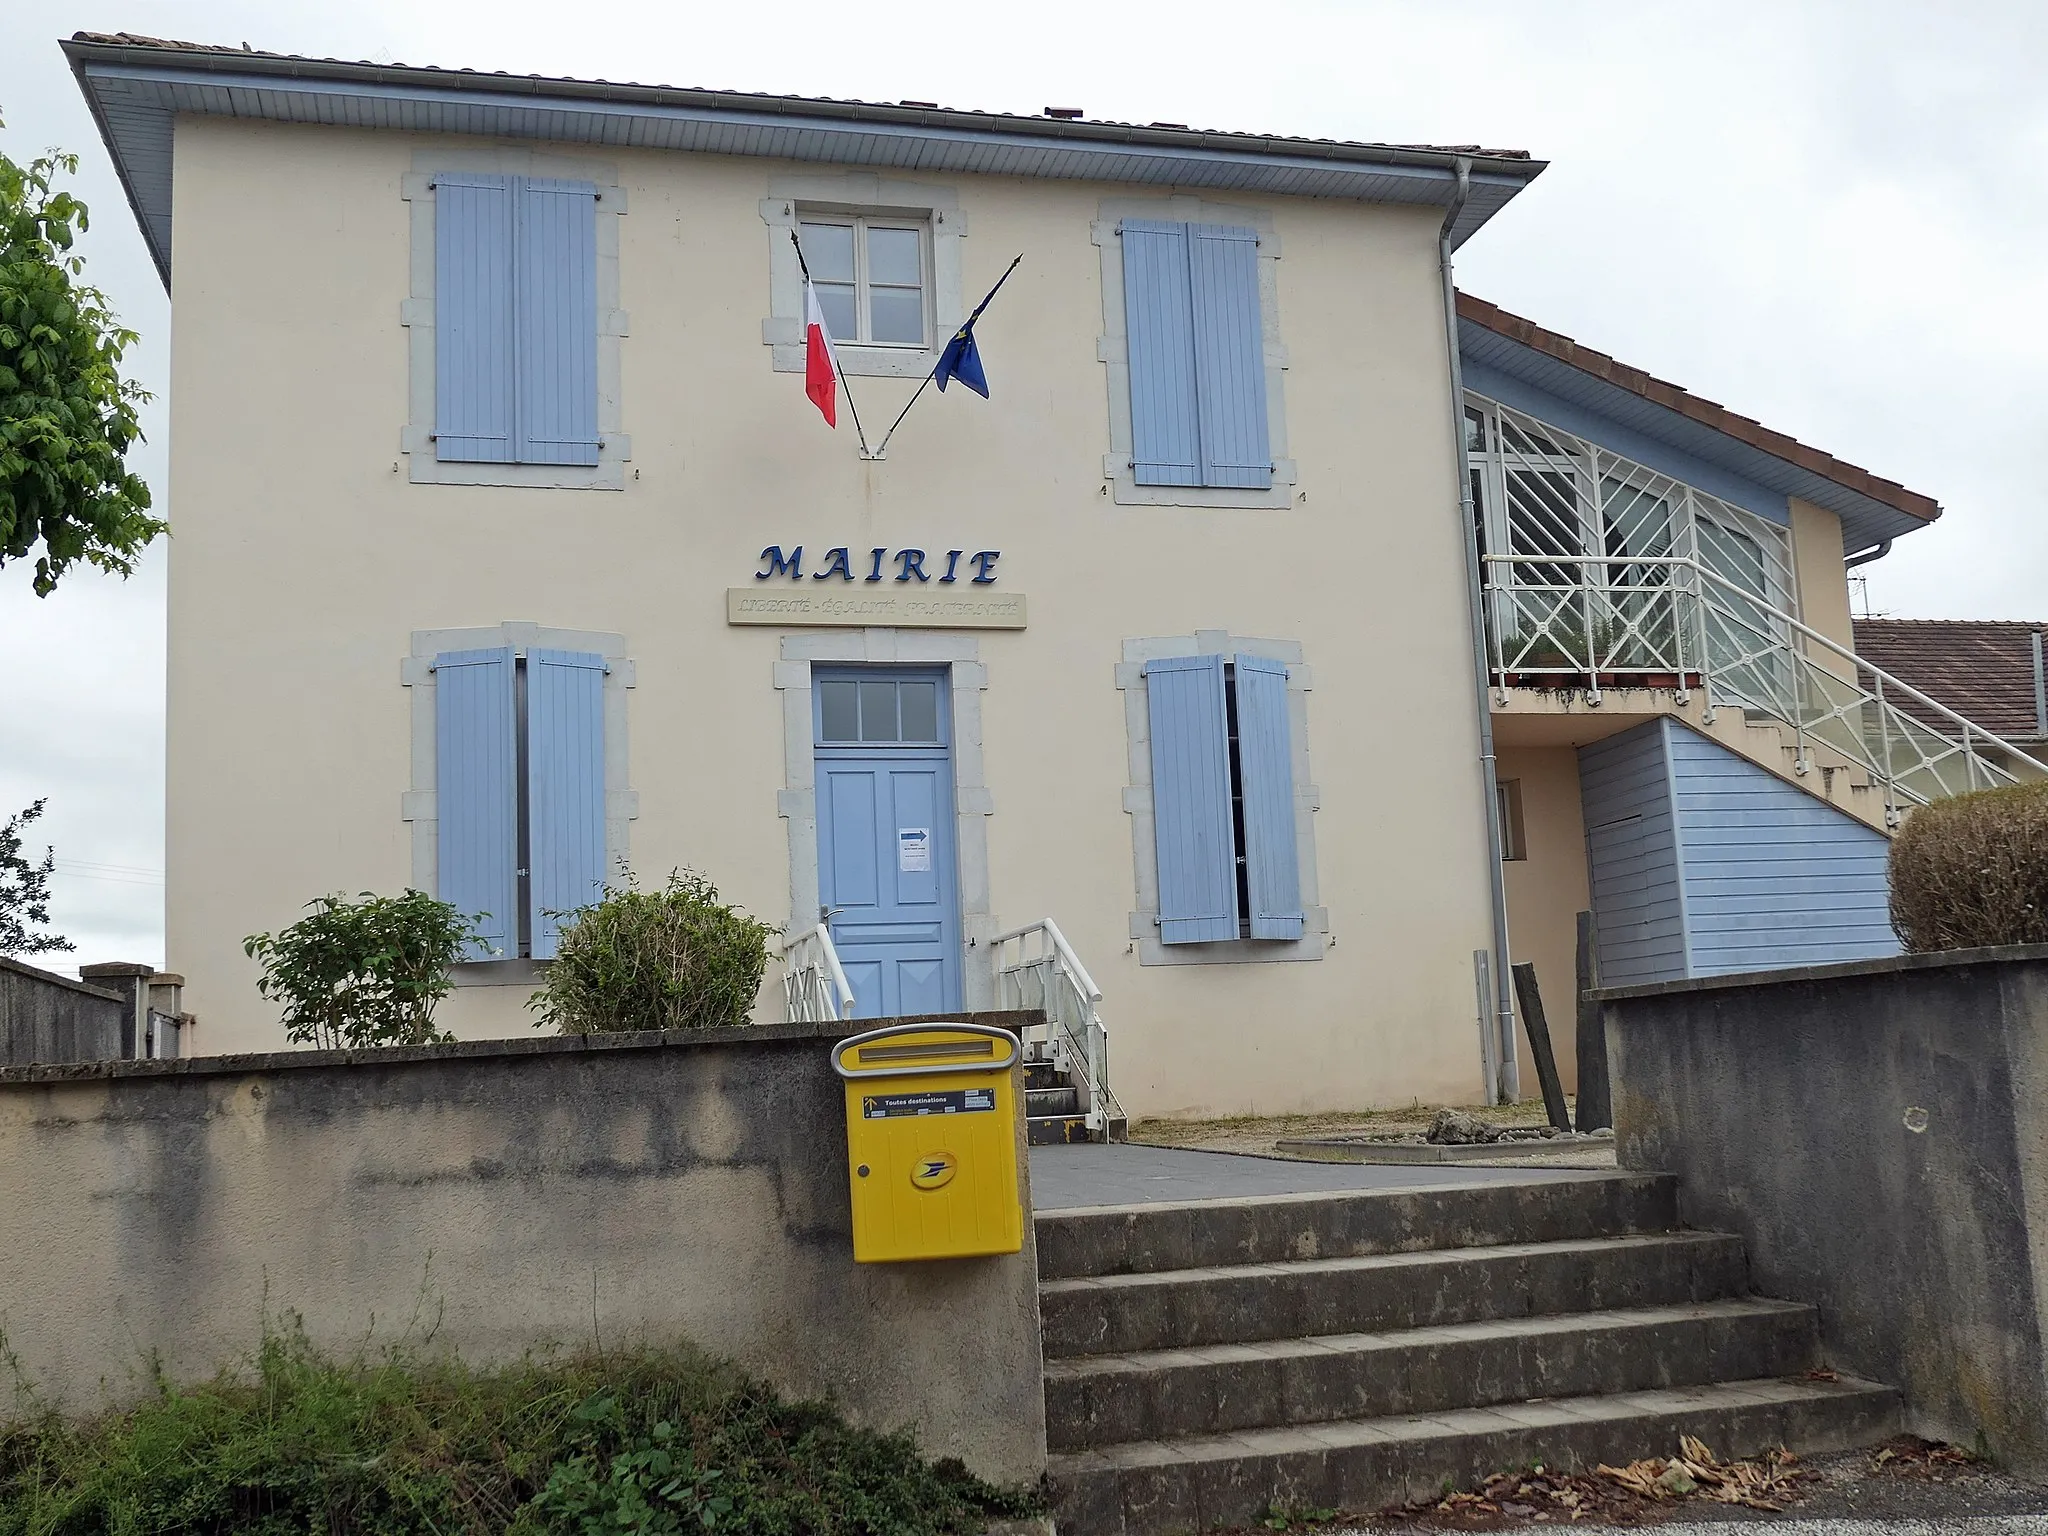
[515,322]
[878,709]
[520,794]
[1514,844]
[514,330]
[1197,355]
[1223,799]
[870,274]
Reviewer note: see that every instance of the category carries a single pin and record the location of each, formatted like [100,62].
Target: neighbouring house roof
[1982,670]
[137,86]
[1872,508]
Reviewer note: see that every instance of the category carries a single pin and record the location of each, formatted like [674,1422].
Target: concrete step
[1055,1130]
[1101,1400]
[1052,1101]
[1240,1303]
[1234,1480]
[1150,1238]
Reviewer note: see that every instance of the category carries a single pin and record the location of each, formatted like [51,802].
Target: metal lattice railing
[814,985]
[1035,967]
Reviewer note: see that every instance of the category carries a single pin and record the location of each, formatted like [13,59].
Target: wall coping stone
[36,973]
[482,1050]
[1934,960]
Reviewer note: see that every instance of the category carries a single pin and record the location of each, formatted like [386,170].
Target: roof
[1871,507]
[1982,670]
[137,86]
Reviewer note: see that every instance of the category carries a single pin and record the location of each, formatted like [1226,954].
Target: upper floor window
[515,319]
[870,274]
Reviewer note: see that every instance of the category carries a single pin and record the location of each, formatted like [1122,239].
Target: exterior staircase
[1212,1364]
[1054,1114]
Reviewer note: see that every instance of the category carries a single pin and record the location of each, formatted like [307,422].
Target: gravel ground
[1848,1493]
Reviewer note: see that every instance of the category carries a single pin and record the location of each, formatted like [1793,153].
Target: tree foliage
[67,417]
[364,972]
[25,891]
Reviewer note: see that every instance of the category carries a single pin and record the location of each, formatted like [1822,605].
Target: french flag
[821,380]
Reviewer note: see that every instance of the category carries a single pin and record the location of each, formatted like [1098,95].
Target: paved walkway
[1063,1178]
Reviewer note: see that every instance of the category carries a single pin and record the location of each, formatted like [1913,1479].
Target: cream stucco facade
[305,558]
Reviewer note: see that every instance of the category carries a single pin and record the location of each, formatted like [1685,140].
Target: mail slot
[931,1142]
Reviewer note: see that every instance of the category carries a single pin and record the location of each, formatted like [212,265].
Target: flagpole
[968,324]
[837,366]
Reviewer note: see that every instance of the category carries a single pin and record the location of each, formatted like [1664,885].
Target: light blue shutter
[557,322]
[476,795]
[1159,325]
[1265,770]
[1230,356]
[564,787]
[473,348]
[1191,800]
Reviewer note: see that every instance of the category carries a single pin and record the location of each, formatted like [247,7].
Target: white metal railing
[814,985]
[1035,967]
[1602,621]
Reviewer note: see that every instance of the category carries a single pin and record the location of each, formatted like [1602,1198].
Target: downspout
[1509,1088]
[2040,691]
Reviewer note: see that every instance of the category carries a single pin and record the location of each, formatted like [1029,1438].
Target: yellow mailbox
[931,1142]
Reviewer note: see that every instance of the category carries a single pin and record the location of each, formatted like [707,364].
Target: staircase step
[1149,1238]
[1220,1481]
[1055,1130]
[1052,1101]
[1102,1400]
[1237,1304]
[1043,1074]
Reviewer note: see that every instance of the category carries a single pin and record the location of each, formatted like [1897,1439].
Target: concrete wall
[305,559]
[47,1017]
[509,1195]
[1547,890]
[1878,1134]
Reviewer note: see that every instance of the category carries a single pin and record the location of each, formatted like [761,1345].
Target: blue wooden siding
[1265,757]
[1632,853]
[1704,864]
[1773,876]
[1191,820]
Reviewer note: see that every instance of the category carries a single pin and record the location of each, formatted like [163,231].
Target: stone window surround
[797,801]
[1308,799]
[417,806]
[1112,349]
[789,197]
[416,314]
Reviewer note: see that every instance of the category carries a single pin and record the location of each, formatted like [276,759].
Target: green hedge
[651,1441]
[676,958]
[1973,871]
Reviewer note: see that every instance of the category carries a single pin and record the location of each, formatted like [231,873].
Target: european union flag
[962,358]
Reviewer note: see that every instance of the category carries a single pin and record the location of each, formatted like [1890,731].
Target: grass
[648,1441]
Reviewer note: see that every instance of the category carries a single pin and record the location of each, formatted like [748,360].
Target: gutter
[1876,551]
[1508,1087]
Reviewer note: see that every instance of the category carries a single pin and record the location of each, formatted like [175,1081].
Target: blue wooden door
[886,872]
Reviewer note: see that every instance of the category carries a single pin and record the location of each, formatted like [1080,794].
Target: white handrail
[810,965]
[1751,600]
[1066,953]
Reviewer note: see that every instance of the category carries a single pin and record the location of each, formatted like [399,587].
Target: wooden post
[1539,1045]
[1596,1099]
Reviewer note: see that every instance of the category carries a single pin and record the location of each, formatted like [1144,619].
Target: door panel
[886,871]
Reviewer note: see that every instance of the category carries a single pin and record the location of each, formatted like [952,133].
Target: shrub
[1973,871]
[646,1440]
[676,958]
[363,972]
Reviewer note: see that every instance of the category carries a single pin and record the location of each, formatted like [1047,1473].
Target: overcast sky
[1828,216]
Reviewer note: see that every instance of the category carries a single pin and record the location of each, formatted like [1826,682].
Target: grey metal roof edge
[1866,521]
[1197,155]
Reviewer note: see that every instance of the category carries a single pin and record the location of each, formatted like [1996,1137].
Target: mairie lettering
[909,565]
